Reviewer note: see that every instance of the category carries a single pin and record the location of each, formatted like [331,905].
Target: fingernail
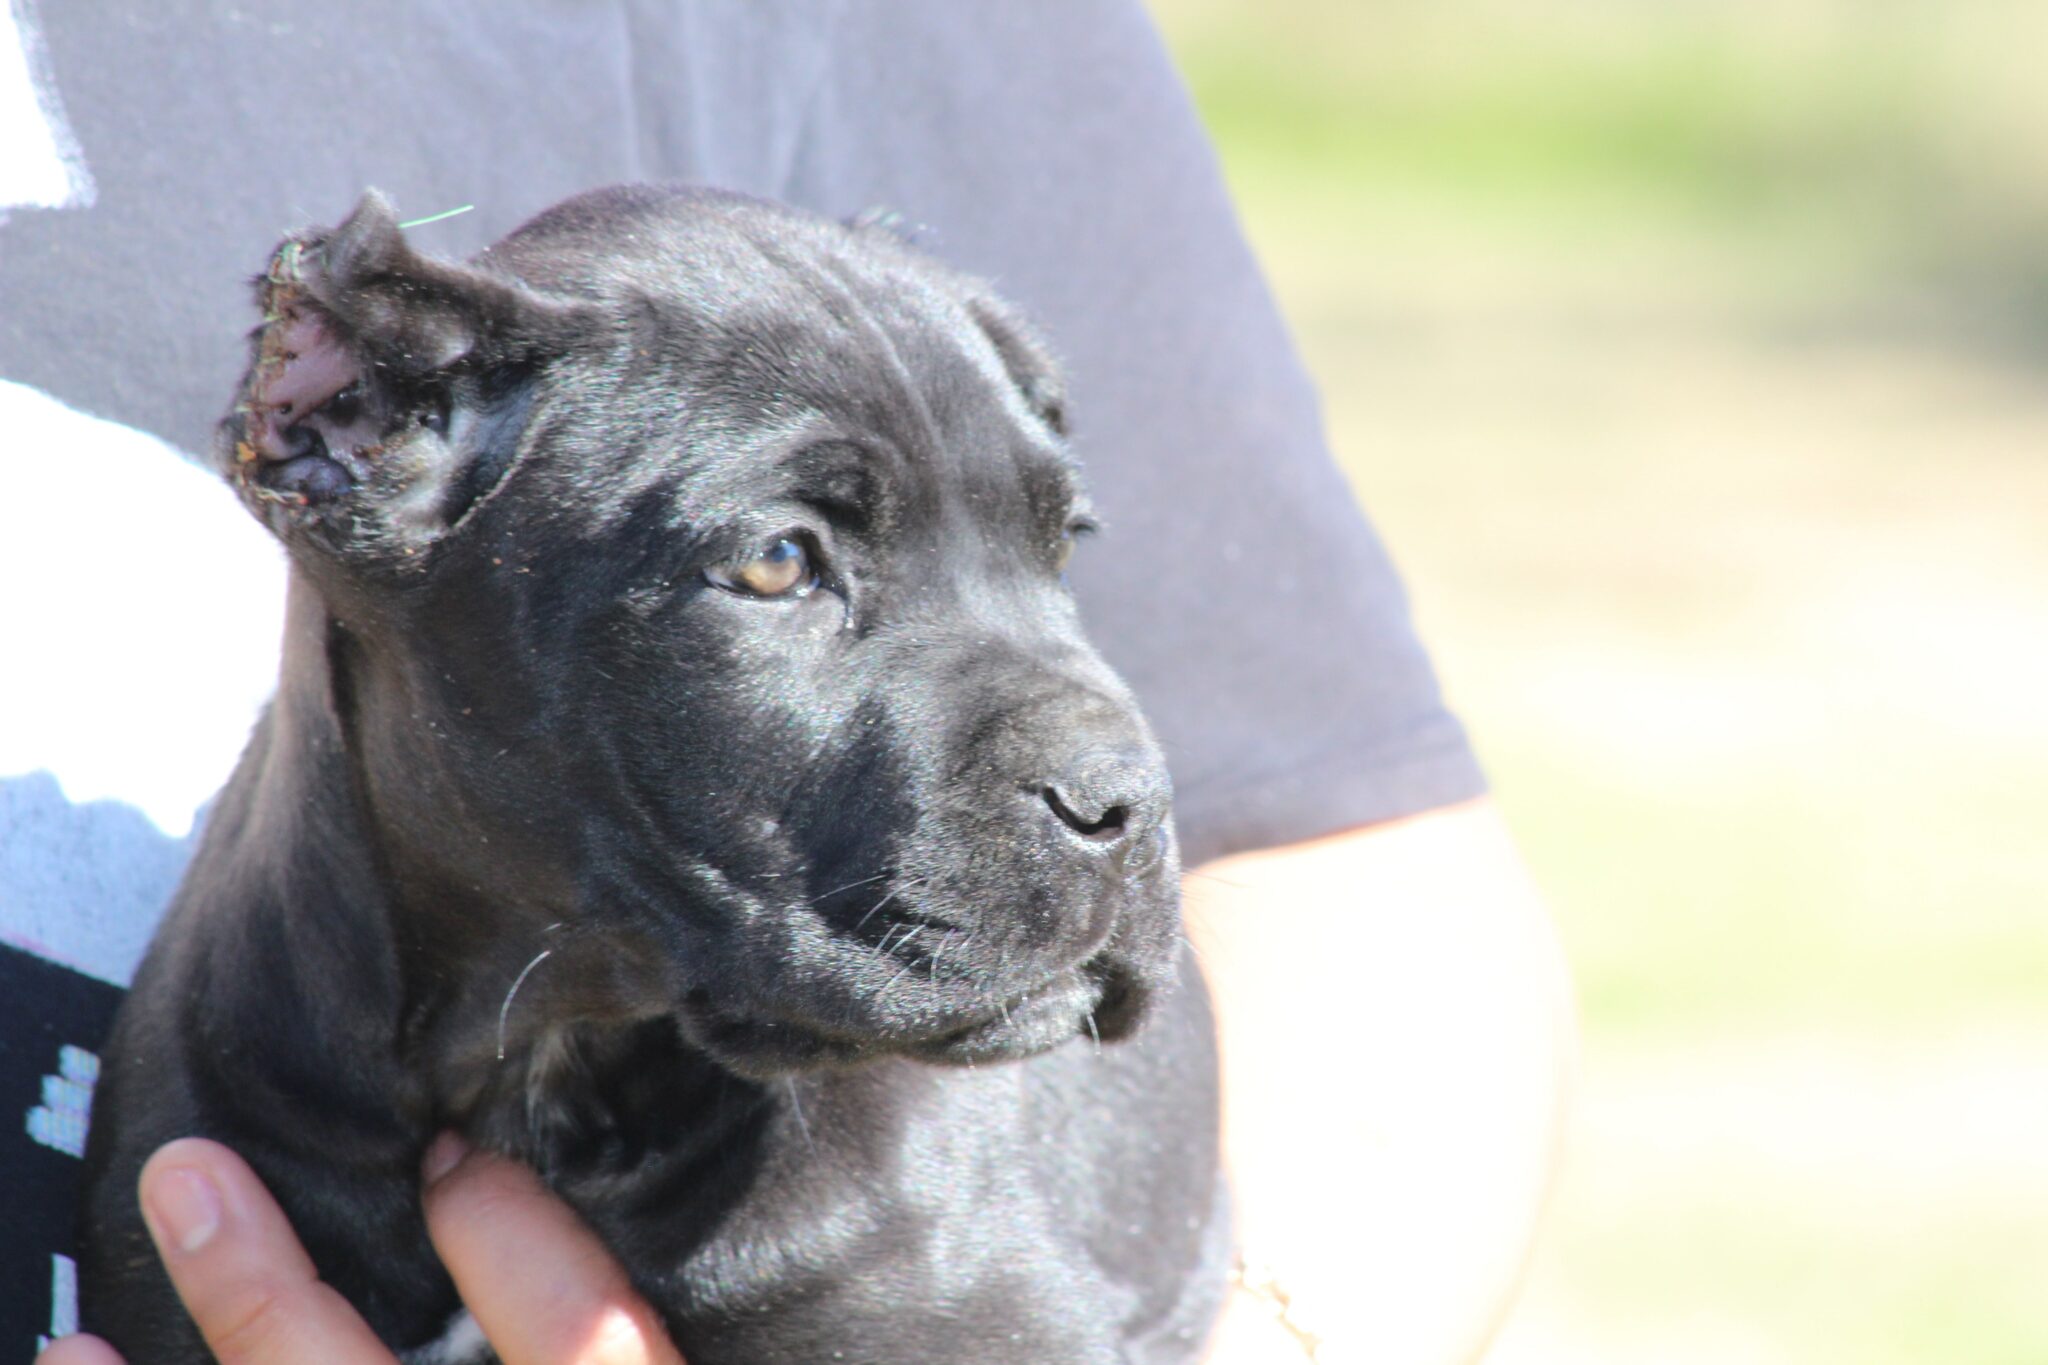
[446,1151]
[183,1208]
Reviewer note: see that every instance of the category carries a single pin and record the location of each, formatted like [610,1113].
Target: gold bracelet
[1258,1280]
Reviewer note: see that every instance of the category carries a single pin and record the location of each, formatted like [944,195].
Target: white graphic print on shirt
[41,165]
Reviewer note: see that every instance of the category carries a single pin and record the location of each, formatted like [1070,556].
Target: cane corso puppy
[687,775]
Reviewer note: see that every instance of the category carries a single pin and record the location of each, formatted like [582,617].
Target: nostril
[1105,825]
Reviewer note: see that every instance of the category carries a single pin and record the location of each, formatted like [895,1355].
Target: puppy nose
[1109,797]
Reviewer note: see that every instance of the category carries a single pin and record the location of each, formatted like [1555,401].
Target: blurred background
[1692,357]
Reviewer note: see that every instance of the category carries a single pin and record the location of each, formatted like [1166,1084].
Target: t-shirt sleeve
[1052,149]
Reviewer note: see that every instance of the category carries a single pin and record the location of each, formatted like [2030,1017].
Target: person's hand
[539,1283]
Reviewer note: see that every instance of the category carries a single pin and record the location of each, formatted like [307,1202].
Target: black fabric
[50,1019]
[1045,144]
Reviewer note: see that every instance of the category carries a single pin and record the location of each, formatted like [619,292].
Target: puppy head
[693,570]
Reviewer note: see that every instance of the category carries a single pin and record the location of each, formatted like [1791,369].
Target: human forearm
[1398,1042]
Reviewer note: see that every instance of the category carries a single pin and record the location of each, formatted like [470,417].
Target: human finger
[542,1287]
[239,1268]
[78,1350]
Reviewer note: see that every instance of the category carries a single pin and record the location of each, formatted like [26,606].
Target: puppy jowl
[688,775]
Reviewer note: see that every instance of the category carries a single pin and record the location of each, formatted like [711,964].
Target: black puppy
[684,741]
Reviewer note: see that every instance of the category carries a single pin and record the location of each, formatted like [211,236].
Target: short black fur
[832,912]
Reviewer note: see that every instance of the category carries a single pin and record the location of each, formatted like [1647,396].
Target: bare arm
[1398,1045]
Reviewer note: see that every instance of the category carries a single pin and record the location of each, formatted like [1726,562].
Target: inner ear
[1027,358]
[377,382]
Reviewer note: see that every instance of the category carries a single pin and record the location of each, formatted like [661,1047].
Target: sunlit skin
[538,1282]
[1392,1178]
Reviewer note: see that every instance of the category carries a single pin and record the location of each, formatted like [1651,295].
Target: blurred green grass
[1896,145]
[1690,358]
[1685,122]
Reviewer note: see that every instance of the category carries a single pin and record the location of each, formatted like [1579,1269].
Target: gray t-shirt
[151,155]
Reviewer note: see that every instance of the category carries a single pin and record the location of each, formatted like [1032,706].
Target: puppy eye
[1063,553]
[782,570]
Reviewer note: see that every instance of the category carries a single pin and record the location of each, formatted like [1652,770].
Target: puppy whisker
[848,887]
[901,972]
[875,909]
[912,931]
[930,961]
[796,1107]
[505,1010]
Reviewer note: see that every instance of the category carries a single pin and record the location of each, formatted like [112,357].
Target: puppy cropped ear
[365,419]
[1028,359]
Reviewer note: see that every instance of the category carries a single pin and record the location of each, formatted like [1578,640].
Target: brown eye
[781,570]
[1063,553]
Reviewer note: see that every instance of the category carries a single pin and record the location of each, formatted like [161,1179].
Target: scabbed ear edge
[360,336]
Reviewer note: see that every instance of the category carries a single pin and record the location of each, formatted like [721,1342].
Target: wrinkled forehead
[774,303]
[852,387]
[757,344]
[778,331]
